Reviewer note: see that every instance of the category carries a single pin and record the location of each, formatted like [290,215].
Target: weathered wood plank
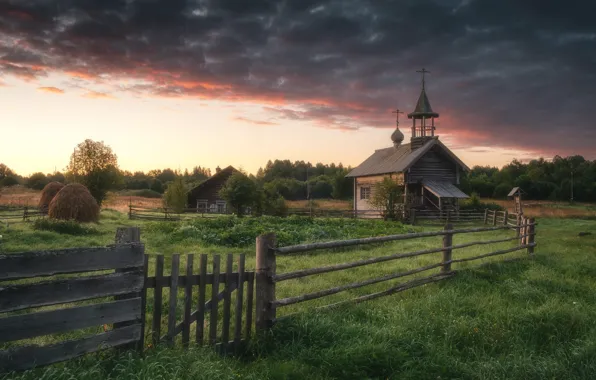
[27,357]
[225,336]
[379,239]
[499,252]
[157,300]
[355,285]
[214,300]
[57,321]
[396,289]
[72,260]
[19,297]
[201,306]
[141,345]
[239,300]
[173,298]
[337,267]
[194,280]
[187,302]
[250,286]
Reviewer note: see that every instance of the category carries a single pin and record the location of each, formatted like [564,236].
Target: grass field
[531,319]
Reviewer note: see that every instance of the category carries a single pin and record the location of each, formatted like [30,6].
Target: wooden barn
[427,169]
[205,196]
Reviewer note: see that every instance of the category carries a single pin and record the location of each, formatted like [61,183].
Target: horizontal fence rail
[12,214]
[267,277]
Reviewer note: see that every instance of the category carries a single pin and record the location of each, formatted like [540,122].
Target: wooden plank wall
[435,166]
[28,281]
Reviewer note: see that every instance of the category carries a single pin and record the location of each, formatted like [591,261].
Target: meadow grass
[529,319]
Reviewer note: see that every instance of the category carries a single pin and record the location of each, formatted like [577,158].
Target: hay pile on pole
[47,194]
[74,202]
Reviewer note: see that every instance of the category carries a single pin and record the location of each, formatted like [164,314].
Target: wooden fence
[433,216]
[35,292]
[129,283]
[167,214]
[267,277]
[20,214]
[141,302]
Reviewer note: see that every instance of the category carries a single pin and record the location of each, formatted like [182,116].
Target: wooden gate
[198,310]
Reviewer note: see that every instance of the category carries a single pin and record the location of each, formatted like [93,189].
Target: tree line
[94,164]
[559,179]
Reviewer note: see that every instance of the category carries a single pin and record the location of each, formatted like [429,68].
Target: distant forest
[540,179]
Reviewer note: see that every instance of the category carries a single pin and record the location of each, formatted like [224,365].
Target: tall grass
[530,319]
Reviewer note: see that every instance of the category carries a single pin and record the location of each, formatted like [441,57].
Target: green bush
[474,203]
[241,232]
[69,227]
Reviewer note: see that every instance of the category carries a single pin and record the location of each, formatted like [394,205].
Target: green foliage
[37,181]
[239,192]
[539,179]
[94,165]
[68,227]
[474,203]
[175,195]
[387,196]
[241,232]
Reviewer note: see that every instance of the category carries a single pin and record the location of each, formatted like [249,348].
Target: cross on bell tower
[422,130]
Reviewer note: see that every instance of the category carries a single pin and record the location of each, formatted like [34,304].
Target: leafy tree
[56,177]
[157,186]
[239,192]
[37,181]
[387,197]
[94,165]
[175,196]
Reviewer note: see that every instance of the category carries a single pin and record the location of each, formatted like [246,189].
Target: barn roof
[224,172]
[396,160]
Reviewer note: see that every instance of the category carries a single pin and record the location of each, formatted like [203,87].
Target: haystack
[47,194]
[74,202]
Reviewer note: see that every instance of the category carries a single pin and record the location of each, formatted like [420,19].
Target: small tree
[387,196]
[175,195]
[37,181]
[94,165]
[239,191]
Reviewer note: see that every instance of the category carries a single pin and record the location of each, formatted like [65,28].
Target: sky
[182,83]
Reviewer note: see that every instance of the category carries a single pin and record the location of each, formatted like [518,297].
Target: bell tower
[423,117]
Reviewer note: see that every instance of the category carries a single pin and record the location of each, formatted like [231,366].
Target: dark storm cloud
[510,73]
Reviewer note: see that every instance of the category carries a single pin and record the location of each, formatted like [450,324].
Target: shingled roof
[396,160]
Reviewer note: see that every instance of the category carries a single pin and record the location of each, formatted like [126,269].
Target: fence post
[522,230]
[25,213]
[448,216]
[127,235]
[265,287]
[518,225]
[505,216]
[495,218]
[485,216]
[447,243]
[129,211]
[413,216]
[531,238]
